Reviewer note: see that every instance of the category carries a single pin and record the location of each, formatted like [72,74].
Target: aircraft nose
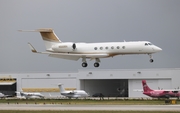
[157,49]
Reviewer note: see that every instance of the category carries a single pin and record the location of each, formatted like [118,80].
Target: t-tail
[145,86]
[61,88]
[48,36]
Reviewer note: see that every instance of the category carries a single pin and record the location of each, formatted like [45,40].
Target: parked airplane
[159,93]
[73,93]
[74,51]
[4,96]
[30,95]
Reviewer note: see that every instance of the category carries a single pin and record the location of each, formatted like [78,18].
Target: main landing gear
[84,64]
[151,58]
[96,64]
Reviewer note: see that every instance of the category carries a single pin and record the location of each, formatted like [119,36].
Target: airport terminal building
[109,82]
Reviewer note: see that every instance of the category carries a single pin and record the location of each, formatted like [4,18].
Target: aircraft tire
[84,64]
[96,64]
[151,60]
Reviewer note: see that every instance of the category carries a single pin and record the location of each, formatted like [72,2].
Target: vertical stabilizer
[145,86]
[48,36]
[61,88]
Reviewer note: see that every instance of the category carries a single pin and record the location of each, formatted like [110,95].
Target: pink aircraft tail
[145,86]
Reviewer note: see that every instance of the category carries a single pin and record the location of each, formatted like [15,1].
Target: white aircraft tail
[61,88]
[48,36]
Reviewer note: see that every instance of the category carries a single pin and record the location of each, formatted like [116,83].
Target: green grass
[85,101]
[14,111]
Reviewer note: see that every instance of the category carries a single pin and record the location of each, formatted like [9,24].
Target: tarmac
[90,107]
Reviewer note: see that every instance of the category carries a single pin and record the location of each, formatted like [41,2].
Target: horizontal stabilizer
[38,30]
[138,90]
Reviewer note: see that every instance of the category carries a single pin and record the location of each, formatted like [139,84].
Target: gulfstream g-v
[93,51]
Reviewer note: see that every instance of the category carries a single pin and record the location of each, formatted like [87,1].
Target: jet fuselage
[111,48]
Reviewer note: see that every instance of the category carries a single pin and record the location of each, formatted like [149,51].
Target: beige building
[110,82]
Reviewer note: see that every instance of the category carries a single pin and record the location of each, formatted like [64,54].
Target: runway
[90,107]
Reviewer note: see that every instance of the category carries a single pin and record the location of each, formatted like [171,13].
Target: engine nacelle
[64,47]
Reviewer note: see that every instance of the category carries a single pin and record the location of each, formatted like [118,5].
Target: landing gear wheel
[96,64]
[84,64]
[151,60]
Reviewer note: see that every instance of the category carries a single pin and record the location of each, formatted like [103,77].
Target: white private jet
[4,96]
[30,95]
[74,51]
[72,93]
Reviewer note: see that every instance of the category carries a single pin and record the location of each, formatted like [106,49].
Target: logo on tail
[145,86]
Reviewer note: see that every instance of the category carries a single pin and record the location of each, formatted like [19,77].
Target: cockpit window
[149,43]
[146,44]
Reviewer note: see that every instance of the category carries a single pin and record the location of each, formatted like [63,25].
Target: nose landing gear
[151,58]
[84,64]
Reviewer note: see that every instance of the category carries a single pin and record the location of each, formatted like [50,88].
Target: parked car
[98,95]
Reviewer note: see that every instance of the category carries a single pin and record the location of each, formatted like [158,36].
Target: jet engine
[64,47]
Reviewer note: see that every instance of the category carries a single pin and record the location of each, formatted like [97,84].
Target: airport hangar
[109,82]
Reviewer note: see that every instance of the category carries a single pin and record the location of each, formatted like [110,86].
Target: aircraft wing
[4,96]
[171,89]
[9,95]
[69,56]
[72,56]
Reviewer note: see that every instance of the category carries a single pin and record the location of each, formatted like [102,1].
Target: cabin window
[95,48]
[106,47]
[112,47]
[123,47]
[146,44]
[118,47]
[101,48]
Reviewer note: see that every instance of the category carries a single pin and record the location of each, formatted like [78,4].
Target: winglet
[32,48]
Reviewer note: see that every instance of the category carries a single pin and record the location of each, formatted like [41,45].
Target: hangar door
[109,88]
[8,86]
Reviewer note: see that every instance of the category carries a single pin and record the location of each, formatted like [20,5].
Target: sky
[157,21]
